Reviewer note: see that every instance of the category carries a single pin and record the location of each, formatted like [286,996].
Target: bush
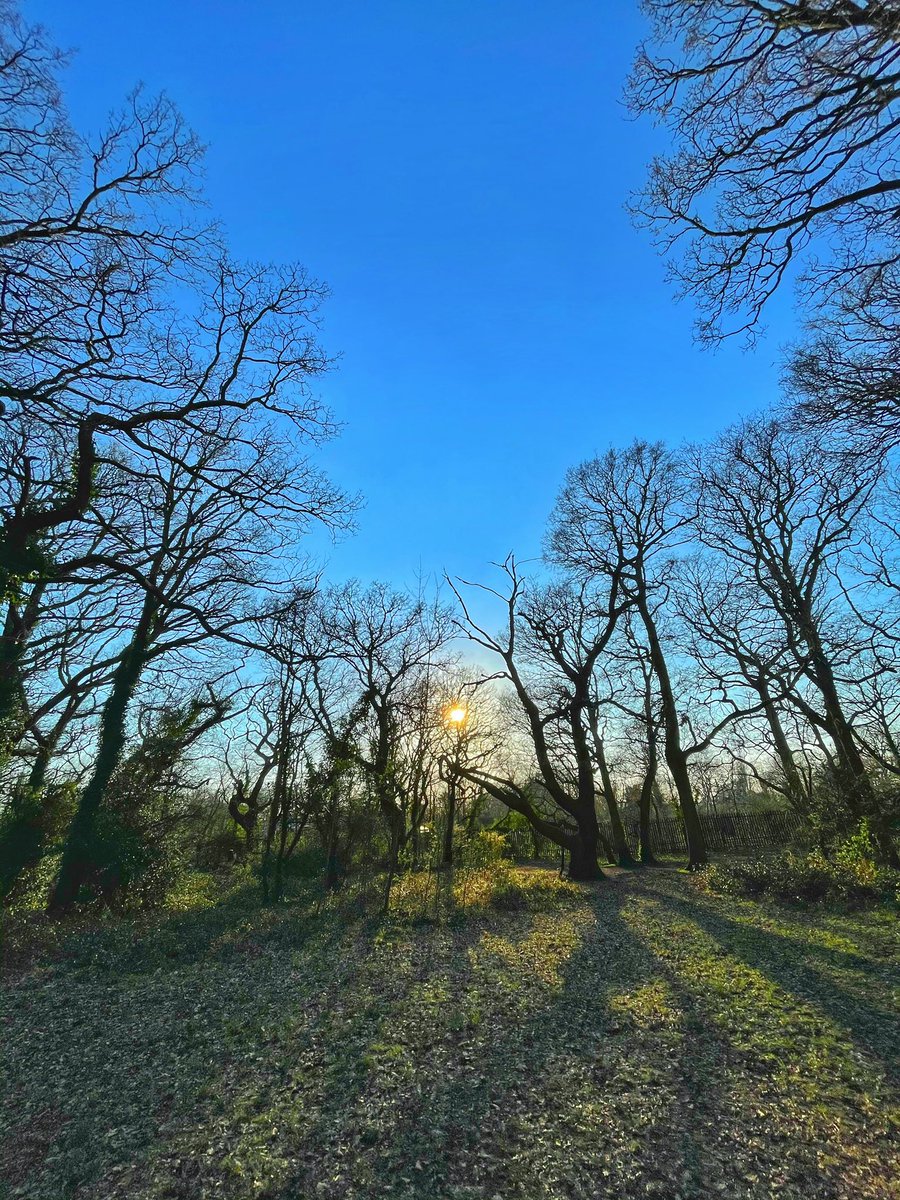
[483,848]
[849,876]
[28,826]
[539,890]
[132,867]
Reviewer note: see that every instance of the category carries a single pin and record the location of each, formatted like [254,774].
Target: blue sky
[456,170]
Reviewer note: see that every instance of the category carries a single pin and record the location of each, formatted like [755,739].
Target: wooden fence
[736,832]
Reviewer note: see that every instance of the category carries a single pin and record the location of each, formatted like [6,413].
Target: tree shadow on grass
[157,1057]
[575,1049]
[853,990]
[113,1044]
[610,1079]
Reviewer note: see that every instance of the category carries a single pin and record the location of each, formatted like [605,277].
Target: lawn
[632,1038]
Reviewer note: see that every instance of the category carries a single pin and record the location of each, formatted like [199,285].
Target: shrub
[28,826]
[483,848]
[538,890]
[849,876]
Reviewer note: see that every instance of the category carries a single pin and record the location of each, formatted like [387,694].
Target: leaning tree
[121,313]
[549,646]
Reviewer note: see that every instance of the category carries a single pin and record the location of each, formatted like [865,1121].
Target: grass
[538,1041]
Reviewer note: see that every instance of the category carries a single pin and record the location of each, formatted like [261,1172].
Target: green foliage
[483,848]
[523,890]
[849,876]
[220,849]
[831,815]
[142,837]
[19,565]
[29,823]
[133,866]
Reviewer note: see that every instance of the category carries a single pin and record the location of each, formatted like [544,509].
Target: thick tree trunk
[17,627]
[648,858]
[693,830]
[583,862]
[37,776]
[860,795]
[21,558]
[78,859]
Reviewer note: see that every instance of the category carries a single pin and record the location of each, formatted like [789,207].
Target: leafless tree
[785,119]
[371,648]
[622,516]
[121,316]
[739,646]
[549,647]
[784,510]
[205,551]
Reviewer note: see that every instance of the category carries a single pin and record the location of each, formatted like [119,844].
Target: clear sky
[456,170]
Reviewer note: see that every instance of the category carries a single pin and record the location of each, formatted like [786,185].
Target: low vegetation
[849,876]
[536,1038]
[267,931]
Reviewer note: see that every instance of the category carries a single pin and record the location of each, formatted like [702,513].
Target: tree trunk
[21,558]
[447,854]
[676,760]
[79,853]
[38,773]
[623,853]
[796,793]
[860,795]
[607,847]
[583,863]
[13,642]
[648,858]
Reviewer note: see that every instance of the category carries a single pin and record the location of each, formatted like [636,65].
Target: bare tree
[785,117]
[739,646]
[205,552]
[549,647]
[370,649]
[121,316]
[622,516]
[784,511]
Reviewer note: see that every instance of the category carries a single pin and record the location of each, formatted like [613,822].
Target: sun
[457,714]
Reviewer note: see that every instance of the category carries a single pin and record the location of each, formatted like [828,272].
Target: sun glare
[457,714]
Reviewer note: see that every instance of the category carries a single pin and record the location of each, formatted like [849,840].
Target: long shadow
[112,1046]
[318,1087]
[593,1090]
[532,1055]
[583,1099]
[800,967]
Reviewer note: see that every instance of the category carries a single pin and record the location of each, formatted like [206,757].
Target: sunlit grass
[535,1040]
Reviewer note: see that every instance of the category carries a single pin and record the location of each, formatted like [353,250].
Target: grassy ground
[634,1038]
